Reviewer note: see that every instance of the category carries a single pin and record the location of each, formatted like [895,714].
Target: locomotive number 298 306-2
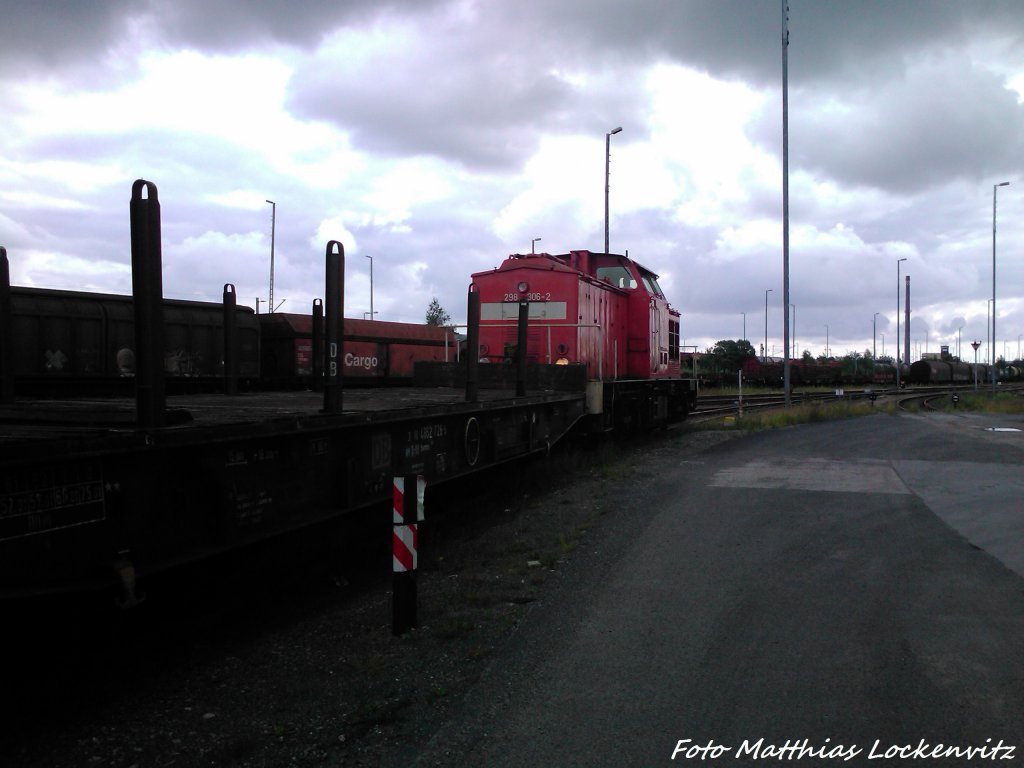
[527,296]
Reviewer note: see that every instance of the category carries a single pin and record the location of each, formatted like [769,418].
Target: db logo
[352,361]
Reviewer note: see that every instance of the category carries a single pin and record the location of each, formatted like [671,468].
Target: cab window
[651,284]
[617,275]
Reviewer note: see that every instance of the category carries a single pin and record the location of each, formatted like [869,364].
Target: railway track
[936,398]
[920,398]
[714,406]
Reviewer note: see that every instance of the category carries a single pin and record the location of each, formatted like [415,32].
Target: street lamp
[744,324]
[371,285]
[607,168]
[826,342]
[273,227]
[994,188]
[765,350]
[533,243]
[958,342]
[874,334]
[898,321]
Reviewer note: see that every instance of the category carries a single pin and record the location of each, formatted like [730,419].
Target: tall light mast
[273,227]
[785,200]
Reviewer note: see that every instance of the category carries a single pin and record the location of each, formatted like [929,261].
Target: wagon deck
[83,491]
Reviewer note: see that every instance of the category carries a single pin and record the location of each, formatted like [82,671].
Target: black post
[524,319]
[6,337]
[335,314]
[230,341]
[317,363]
[147,294]
[473,346]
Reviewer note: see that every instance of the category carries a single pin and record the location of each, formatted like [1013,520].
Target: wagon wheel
[471,441]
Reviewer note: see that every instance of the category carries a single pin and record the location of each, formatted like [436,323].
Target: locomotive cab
[600,310]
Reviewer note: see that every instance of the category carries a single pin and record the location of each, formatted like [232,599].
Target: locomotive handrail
[577,326]
[549,326]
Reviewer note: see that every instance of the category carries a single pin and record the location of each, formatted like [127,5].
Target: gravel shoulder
[295,664]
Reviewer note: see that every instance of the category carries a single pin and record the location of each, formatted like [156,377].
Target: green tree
[852,363]
[436,314]
[728,355]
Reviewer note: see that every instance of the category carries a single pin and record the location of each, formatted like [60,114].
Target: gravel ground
[252,664]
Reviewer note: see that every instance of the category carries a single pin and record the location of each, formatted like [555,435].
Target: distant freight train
[952,371]
[802,373]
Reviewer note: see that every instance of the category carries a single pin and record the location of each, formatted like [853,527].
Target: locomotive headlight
[522,286]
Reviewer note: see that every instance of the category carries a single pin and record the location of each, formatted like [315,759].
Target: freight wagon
[375,351]
[74,341]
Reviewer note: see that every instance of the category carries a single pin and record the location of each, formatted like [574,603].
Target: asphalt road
[847,593]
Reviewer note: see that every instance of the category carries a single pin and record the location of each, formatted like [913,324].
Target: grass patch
[749,389]
[568,543]
[801,414]
[1001,402]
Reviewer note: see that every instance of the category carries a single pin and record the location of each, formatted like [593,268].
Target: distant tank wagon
[949,371]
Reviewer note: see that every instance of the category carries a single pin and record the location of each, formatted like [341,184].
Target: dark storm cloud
[480,81]
[444,108]
[907,125]
[741,38]
[55,33]
[478,91]
[231,25]
[729,38]
[942,121]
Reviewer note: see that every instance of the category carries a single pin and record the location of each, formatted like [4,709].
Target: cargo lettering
[353,361]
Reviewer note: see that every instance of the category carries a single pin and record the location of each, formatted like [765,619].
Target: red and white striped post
[407,511]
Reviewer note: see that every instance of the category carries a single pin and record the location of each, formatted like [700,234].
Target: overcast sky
[439,136]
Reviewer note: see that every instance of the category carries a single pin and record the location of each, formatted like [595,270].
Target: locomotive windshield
[617,275]
[651,283]
[621,276]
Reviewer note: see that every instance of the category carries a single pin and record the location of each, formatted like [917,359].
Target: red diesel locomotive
[600,310]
